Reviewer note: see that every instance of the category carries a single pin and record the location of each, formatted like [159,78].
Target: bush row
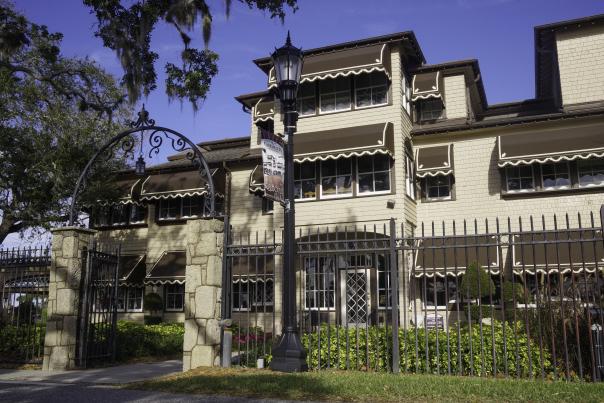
[136,340]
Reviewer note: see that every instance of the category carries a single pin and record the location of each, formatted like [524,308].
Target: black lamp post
[289,354]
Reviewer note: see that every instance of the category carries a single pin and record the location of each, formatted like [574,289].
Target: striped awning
[264,109]
[426,85]
[132,270]
[435,160]
[170,268]
[126,191]
[181,184]
[256,183]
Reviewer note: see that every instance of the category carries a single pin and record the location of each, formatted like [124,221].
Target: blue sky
[499,33]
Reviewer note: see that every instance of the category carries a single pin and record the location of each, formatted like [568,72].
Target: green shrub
[17,343]
[467,357]
[152,320]
[153,302]
[508,289]
[476,282]
[136,340]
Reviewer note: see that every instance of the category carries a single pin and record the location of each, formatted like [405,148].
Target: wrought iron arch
[145,127]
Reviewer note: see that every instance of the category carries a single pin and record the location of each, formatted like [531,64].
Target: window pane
[328,168]
[379,96]
[342,100]
[328,103]
[365,183]
[308,189]
[344,184]
[344,166]
[364,97]
[365,164]
[381,162]
[342,84]
[306,90]
[307,170]
[329,185]
[382,181]
[306,106]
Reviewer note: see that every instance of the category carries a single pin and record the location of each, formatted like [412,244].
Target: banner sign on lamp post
[273,165]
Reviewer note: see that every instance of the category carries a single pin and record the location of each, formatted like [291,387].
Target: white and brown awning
[170,268]
[561,251]
[345,143]
[427,86]
[126,191]
[180,184]
[451,255]
[132,270]
[264,109]
[434,161]
[364,59]
[555,145]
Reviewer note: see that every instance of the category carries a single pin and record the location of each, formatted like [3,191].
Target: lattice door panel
[357,309]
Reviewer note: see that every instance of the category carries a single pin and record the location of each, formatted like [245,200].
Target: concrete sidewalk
[109,376]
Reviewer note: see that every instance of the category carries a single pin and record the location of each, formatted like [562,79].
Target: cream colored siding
[455,97]
[246,208]
[478,189]
[581,64]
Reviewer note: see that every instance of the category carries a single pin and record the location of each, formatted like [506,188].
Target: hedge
[135,340]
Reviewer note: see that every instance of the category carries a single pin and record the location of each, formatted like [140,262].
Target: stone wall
[63,297]
[204,247]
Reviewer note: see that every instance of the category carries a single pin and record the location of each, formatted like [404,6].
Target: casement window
[184,207]
[431,109]
[373,174]
[174,297]
[305,181]
[409,176]
[320,281]
[268,206]
[371,90]
[438,187]
[253,292]
[192,206]
[519,179]
[118,215]
[169,209]
[134,300]
[555,176]
[334,95]
[438,292]
[306,99]
[406,95]
[591,172]
[336,178]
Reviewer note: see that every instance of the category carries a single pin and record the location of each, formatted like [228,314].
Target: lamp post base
[289,354]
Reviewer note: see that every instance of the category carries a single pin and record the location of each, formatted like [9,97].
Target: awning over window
[169,269]
[344,143]
[132,270]
[257,180]
[551,146]
[426,85]
[433,161]
[180,184]
[264,109]
[365,59]
[450,256]
[126,191]
[558,251]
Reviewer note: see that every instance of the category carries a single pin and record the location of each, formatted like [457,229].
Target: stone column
[63,296]
[203,288]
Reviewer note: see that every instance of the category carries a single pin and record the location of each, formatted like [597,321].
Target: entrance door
[356,297]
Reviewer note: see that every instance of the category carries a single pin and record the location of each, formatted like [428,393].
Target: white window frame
[302,199]
[507,182]
[129,290]
[410,189]
[239,293]
[124,297]
[335,94]
[167,291]
[313,97]
[182,206]
[370,87]
[430,280]
[373,172]
[136,206]
[556,164]
[337,195]
[434,101]
[427,185]
[588,185]
[178,209]
[330,264]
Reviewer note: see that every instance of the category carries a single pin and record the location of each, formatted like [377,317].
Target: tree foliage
[126,28]
[54,113]
[477,282]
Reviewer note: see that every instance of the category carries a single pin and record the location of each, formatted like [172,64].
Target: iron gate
[98,306]
[24,275]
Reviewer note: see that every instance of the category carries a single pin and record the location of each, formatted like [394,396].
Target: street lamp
[289,354]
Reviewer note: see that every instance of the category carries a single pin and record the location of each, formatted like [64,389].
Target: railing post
[394,287]
[225,311]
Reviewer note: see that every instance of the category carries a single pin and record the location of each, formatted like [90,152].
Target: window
[138,214]
[519,179]
[174,297]
[169,209]
[241,295]
[335,95]
[406,95]
[192,206]
[371,90]
[305,181]
[373,174]
[336,178]
[118,215]
[431,109]
[555,176]
[267,206]
[438,291]
[135,299]
[320,279]
[384,285]
[438,187]
[184,207]
[306,99]
[409,176]
[591,172]
[253,291]
[121,298]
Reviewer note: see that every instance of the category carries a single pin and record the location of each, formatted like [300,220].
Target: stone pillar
[63,296]
[203,288]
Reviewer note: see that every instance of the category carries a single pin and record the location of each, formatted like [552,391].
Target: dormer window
[371,90]
[431,109]
[335,95]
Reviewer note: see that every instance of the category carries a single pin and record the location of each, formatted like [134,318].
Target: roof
[265,63]
[248,100]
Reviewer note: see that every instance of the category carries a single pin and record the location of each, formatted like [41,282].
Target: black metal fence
[516,298]
[24,276]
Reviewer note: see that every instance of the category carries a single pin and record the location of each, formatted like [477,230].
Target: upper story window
[185,207]
[169,209]
[591,172]
[431,109]
[306,99]
[519,179]
[334,95]
[371,90]
[409,176]
[555,176]
[438,187]
[373,174]
[119,215]
[336,178]
[305,181]
[406,94]
[192,206]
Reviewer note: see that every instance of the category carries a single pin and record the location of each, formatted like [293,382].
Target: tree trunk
[6,227]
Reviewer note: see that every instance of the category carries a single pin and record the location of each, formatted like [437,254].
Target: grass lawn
[374,387]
